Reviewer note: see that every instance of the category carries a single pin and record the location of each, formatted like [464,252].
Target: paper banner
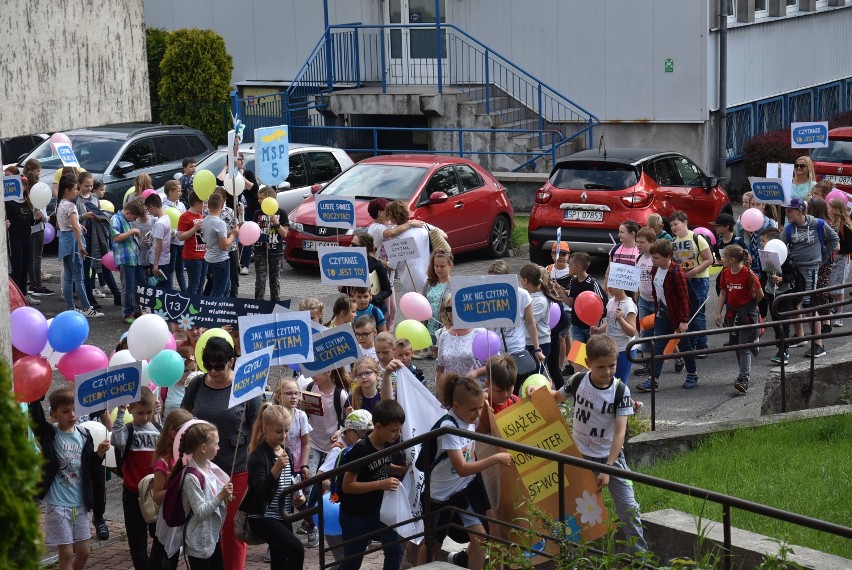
[624,277]
[344,266]
[289,335]
[333,348]
[66,155]
[809,135]
[200,311]
[486,301]
[13,188]
[272,154]
[250,374]
[770,261]
[335,211]
[577,354]
[769,190]
[108,388]
[400,249]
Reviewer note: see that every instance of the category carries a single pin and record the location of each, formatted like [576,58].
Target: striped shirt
[124,252]
[285,479]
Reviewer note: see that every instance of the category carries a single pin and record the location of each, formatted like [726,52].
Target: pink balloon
[108,261]
[249,233]
[555,314]
[708,234]
[59,138]
[148,192]
[415,306]
[837,194]
[82,360]
[171,343]
[752,220]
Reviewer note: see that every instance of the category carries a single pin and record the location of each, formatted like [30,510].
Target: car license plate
[311,245]
[584,215]
[845,180]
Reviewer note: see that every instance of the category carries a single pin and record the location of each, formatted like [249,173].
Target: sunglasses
[217,366]
[801,165]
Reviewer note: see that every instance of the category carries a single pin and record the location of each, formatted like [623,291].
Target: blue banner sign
[66,155]
[809,135]
[250,373]
[335,212]
[333,348]
[344,266]
[485,301]
[272,154]
[107,388]
[769,190]
[13,188]
[289,335]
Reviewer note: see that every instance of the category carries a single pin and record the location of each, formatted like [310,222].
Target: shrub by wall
[155,43]
[773,146]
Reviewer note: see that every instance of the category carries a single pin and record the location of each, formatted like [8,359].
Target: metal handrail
[429,440]
[780,343]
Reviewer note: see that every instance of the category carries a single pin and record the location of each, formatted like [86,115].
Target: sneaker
[818,352]
[243,270]
[679,365]
[838,323]
[91,313]
[826,328]
[568,370]
[101,529]
[643,370]
[797,343]
[458,558]
[776,360]
[129,320]
[32,300]
[646,386]
[690,382]
[741,385]
[267,556]
[98,293]
[313,538]
[40,291]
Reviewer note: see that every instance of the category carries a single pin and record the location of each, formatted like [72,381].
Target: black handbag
[523,360]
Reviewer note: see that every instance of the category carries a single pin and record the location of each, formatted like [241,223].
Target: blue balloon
[68,331]
[331,516]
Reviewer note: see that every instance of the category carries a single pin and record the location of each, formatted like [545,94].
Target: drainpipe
[438,44]
[723,85]
[329,79]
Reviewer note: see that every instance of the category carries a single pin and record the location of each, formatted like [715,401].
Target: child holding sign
[601,407]
[621,327]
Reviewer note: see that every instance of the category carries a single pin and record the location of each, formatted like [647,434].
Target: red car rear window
[594,176]
[838,150]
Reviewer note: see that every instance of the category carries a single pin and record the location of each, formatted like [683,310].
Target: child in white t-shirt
[298,441]
[620,326]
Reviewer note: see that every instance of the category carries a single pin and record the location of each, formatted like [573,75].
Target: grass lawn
[519,233]
[801,467]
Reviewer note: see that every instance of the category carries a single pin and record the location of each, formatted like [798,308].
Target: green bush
[20,470]
[773,146]
[155,41]
[195,82]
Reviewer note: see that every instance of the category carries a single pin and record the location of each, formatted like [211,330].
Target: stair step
[530,123]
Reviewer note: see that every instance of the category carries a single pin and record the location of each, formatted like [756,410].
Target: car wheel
[498,239]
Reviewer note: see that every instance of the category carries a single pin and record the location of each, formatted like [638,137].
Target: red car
[835,161]
[454,194]
[591,193]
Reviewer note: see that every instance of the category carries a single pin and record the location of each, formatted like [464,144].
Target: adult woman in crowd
[19,223]
[455,348]
[412,272]
[246,207]
[804,177]
[32,172]
[207,399]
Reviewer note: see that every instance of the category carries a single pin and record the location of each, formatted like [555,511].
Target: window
[578,175]
[664,172]
[470,180]
[298,176]
[171,149]
[140,153]
[324,167]
[196,147]
[444,180]
[760,9]
[690,174]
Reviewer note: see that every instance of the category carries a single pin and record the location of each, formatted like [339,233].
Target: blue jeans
[246,255]
[356,525]
[131,275]
[645,308]
[196,272]
[698,288]
[73,278]
[580,333]
[176,267]
[624,366]
[663,327]
[220,278]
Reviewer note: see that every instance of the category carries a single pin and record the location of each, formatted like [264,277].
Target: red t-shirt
[500,407]
[737,285]
[194,247]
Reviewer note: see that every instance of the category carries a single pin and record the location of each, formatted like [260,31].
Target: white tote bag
[396,507]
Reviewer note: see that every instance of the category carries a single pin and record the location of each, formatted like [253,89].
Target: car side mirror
[316,188]
[712,181]
[124,167]
[438,197]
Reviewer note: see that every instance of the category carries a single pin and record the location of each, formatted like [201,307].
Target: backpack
[422,460]
[574,383]
[338,408]
[826,255]
[172,507]
[147,505]
[336,485]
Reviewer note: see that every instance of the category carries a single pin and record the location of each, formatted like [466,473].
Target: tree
[195,81]
[155,44]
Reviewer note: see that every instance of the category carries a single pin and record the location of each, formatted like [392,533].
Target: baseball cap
[359,420]
[725,220]
[563,246]
[797,204]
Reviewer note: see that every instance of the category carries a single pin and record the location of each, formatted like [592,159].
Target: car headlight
[296,226]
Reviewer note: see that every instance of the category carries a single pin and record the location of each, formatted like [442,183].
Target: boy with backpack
[693,254]
[581,281]
[135,445]
[600,434]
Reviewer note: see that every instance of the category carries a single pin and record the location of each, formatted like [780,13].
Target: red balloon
[589,308]
[31,376]
[82,360]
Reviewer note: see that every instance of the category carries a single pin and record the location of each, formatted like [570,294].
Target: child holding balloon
[273,224]
[621,327]
[172,200]
[72,250]
[438,279]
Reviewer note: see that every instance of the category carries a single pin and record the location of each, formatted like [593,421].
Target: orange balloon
[647,322]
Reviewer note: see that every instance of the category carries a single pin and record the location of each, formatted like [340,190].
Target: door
[412,54]
[451,215]
[682,184]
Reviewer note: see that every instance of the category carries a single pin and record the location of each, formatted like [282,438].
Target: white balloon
[777,246]
[51,355]
[40,195]
[235,186]
[147,336]
[146,377]
[97,430]
[121,357]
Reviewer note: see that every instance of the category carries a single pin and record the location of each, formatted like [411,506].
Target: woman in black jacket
[270,474]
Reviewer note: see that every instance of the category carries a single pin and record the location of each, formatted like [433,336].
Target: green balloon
[534,381]
[203,184]
[174,216]
[415,332]
[166,368]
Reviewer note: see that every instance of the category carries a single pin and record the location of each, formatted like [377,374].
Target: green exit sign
[669,66]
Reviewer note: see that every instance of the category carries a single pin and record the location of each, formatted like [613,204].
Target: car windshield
[838,150]
[594,176]
[390,181]
[216,162]
[94,152]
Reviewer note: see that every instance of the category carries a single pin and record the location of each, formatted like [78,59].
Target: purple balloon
[29,330]
[49,233]
[555,314]
[485,345]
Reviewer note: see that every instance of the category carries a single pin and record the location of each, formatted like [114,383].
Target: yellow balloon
[203,184]
[174,216]
[269,206]
[107,206]
[126,194]
[128,417]
[415,332]
[202,344]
